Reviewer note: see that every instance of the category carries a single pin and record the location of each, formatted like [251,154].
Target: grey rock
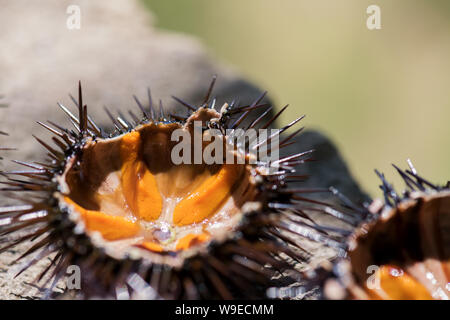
[115,54]
[328,168]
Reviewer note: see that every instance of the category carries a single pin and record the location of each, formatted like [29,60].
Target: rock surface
[116,53]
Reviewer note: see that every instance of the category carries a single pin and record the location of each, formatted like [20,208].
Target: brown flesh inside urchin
[129,190]
[411,247]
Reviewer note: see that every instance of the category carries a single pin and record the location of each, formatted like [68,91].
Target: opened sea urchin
[402,251]
[140,224]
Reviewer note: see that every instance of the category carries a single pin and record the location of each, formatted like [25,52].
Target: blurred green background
[383,96]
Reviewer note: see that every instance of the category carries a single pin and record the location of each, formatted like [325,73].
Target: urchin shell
[405,242]
[264,241]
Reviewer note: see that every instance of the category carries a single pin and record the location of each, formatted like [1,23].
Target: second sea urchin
[402,251]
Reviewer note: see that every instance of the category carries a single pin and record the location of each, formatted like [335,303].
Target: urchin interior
[128,189]
[409,245]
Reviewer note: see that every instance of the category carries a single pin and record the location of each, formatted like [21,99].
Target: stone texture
[328,168]
[115,54]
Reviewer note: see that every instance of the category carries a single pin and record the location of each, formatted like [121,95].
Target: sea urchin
[140,225]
